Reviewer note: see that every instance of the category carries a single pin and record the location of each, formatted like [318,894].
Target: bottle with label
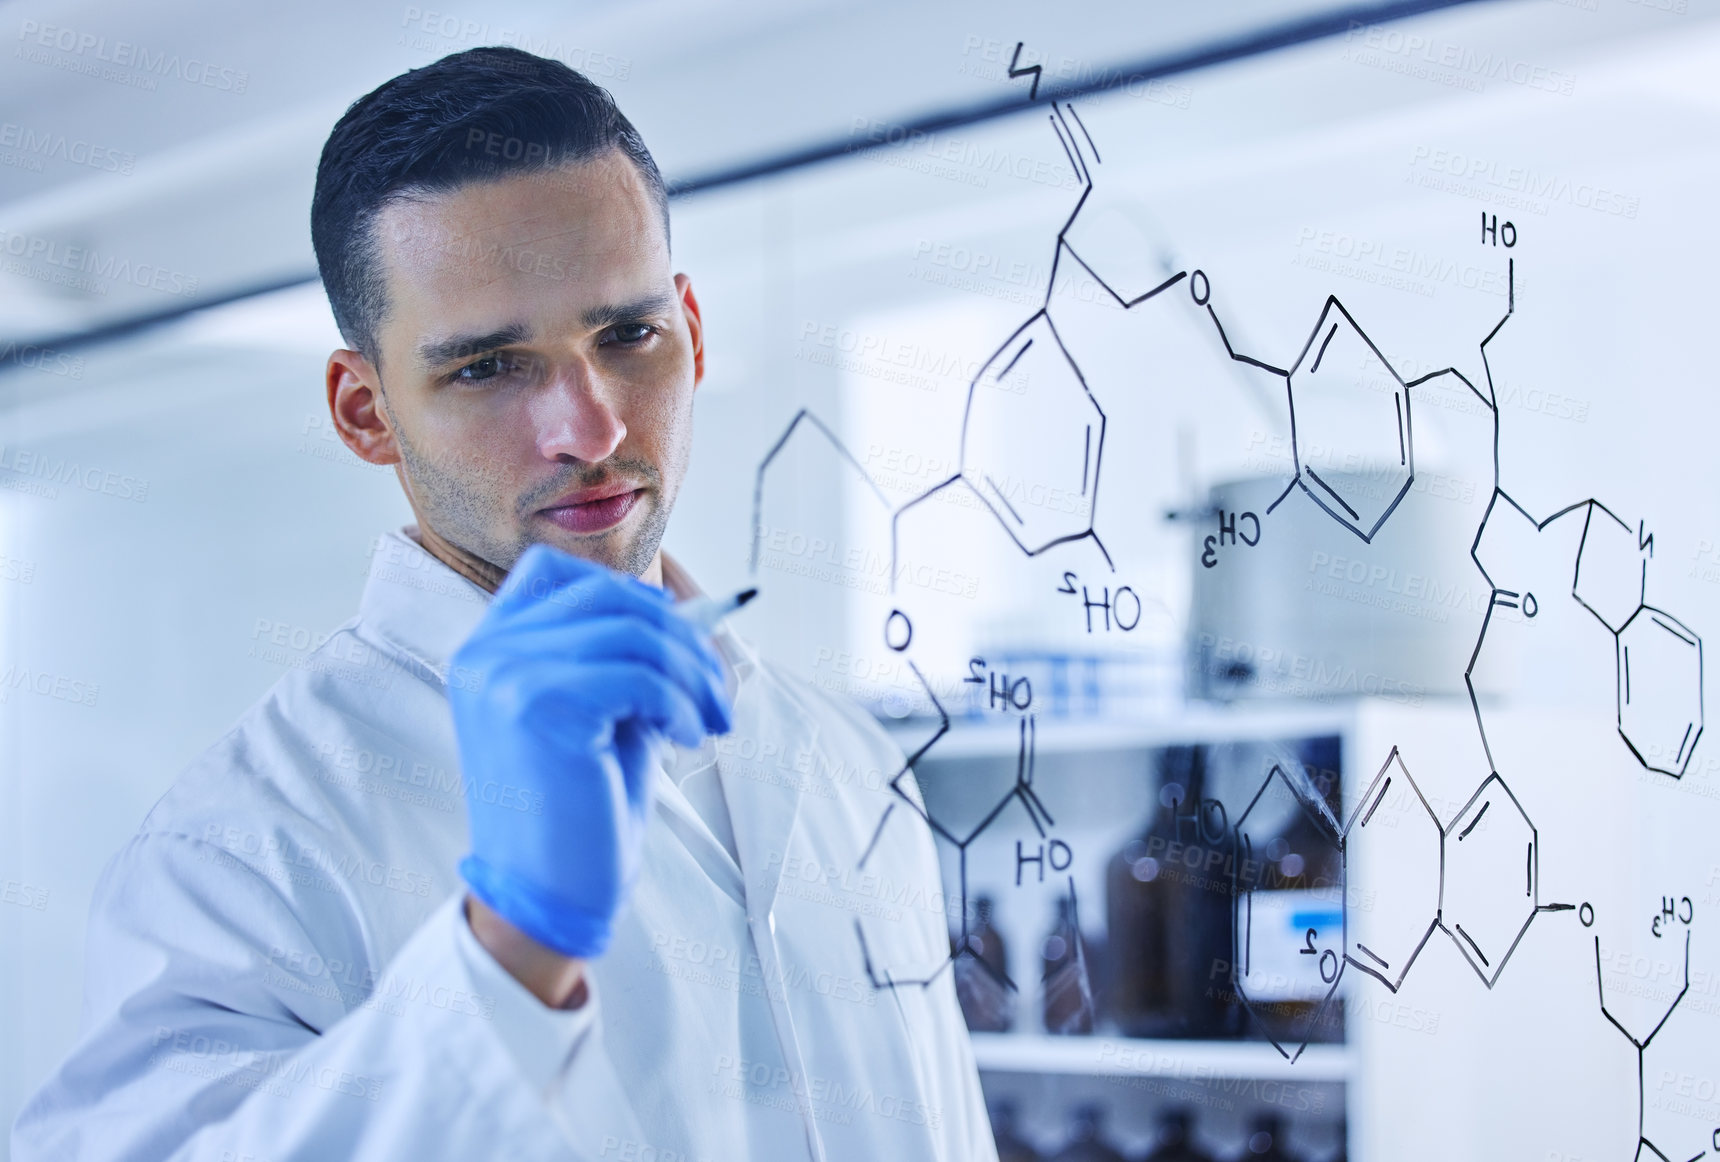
[982,986]
[1087,1142]
[1175,1139]
[1168,913]
[1011,1146]
[1290,880]
[1066,986]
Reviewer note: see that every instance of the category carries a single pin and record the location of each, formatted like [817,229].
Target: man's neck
[472,567]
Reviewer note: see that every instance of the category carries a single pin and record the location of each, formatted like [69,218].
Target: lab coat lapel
[762,765]
[694,834]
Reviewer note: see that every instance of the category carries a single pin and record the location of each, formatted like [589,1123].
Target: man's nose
[573,417]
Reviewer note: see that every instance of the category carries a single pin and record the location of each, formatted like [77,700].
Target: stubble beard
[460,496]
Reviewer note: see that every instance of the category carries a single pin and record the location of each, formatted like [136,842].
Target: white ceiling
[213,198]
[218,190]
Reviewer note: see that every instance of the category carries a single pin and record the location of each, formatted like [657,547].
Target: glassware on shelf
[1343,1141]
[1011,1146]
[1168,913]
[1066,985]
[1175,1140]
[983,987]
[1087,1142]
[1266,1139]
[1290,884]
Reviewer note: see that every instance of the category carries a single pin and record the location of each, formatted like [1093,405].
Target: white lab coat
[278,967]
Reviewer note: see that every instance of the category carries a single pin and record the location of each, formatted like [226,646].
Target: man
[285,962]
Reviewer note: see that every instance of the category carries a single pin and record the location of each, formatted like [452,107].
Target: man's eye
[488,367]
[630,333]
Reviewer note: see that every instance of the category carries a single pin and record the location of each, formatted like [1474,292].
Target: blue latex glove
[576,671]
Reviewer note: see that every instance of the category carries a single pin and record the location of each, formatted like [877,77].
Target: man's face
[538,363]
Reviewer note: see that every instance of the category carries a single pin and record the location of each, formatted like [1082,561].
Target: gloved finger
[605,692]
[600,594]
[617,638]
[509,678]
[636,747]
[539,572]
[705,635]
[546,573]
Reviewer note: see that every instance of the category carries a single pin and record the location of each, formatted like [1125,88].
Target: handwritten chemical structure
[1034,430]
[1670,1126]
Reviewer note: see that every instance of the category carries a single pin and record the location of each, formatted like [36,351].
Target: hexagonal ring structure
[1289,945]
[1659,690]
[1032,438]
[1395,838]
[1490,848]
[1355,455]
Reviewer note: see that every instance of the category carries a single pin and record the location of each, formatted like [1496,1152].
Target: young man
[292,959]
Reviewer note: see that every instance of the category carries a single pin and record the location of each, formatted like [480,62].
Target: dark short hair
[477,115]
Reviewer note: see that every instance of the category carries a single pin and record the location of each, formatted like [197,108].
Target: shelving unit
[1045,1075]
[1101,1056]
[1197,724]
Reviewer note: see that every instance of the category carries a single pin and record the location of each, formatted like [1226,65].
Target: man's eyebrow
[435,352]
[642,308]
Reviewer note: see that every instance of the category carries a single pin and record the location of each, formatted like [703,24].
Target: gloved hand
[577,671]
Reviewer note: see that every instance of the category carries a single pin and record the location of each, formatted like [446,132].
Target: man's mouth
[593,510]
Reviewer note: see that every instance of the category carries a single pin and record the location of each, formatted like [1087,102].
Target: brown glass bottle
[1175,1139]
[983,987]
[1266,1140]
[1087,1141]
[1011,1146]
[1167,904]
[1301,855]
[1066,986]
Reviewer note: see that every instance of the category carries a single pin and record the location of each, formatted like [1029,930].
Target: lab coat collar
[417,604]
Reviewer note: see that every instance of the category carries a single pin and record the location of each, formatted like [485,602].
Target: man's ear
[354,403]
[695,325]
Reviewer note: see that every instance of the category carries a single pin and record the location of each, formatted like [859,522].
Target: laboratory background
[1256,459]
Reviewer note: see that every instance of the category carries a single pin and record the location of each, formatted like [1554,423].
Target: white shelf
[1196,724]
[1176,1060]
